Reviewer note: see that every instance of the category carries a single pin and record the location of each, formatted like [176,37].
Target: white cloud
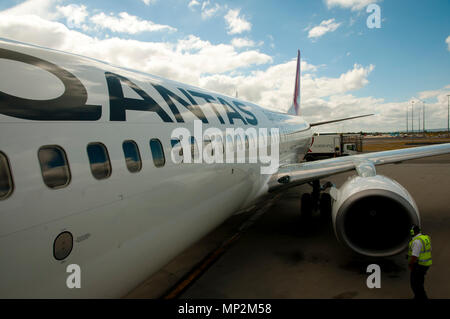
[149,2]
[41,8]
[127,23]
[193,4]
[36,30]
[235,23]
[324,27]
[271,88]
[439,95]
[324,98]
[354,5]
[208,10]
[242,43]
[185,60]
[448,42]
[349,81]
[74,14]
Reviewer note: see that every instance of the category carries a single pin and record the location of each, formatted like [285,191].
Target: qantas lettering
[233,114]
[168,95]
[253,120]
[71,105]
[119,104]
[209,99]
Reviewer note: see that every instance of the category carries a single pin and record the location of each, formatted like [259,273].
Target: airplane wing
[295,174]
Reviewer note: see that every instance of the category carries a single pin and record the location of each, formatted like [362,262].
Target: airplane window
[206,142]
[157,152]
[247,147]
[99,160]
[132,156]
[174,142]
[6,183]
[194,149]
[54,166]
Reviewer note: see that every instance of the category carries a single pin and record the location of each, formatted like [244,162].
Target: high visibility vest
[425,253]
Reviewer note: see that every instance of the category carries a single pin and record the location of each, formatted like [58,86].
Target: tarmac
[274,255]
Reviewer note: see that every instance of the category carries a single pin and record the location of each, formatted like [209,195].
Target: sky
[349,67]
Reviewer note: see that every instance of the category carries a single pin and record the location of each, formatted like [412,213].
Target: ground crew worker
[419,261]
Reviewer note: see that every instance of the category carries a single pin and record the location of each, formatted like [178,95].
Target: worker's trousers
[418,273]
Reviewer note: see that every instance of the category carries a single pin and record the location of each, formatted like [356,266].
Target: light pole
[448,113]
[418,131]
[407,120]
[423,116]
[418,122]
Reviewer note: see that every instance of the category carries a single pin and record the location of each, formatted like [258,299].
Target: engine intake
[373,215]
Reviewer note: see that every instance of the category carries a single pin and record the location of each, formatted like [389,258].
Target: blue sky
[350,68]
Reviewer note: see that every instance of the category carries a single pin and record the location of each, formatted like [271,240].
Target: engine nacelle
[373,215]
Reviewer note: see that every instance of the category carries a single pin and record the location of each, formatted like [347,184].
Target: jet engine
[373,215]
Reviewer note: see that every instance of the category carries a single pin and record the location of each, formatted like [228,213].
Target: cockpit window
[54,166]
[6,183]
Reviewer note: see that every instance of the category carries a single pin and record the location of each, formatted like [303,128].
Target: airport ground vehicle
[334,145]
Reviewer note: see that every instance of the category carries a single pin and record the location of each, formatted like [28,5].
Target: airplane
[87,175]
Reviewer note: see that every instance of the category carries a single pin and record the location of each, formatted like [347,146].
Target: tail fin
[295,107]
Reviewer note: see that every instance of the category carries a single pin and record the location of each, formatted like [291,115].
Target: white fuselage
[126,226]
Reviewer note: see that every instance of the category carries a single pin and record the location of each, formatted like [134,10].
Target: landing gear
[316,202]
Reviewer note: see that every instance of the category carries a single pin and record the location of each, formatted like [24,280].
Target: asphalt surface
[279,257]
